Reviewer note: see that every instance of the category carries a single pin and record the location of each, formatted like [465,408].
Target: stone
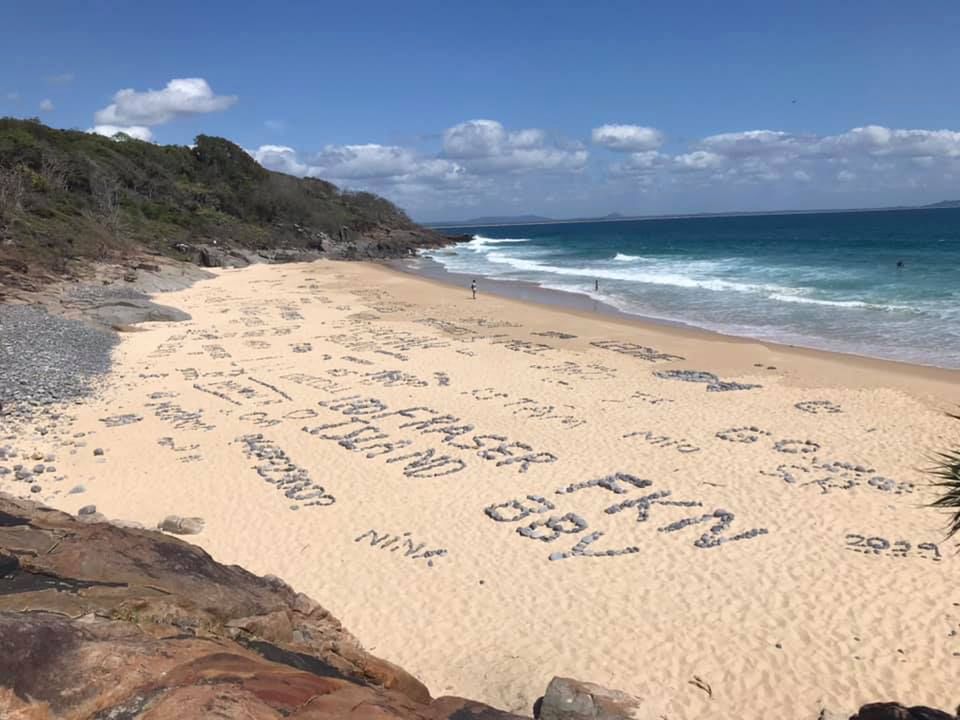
[87,510]
[155,627]
[181,525]
[36,489]
[98,451]
[896,711]
[568,699]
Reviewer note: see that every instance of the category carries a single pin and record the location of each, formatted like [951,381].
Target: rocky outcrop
[896,711]
[385,243]
[99,621]
[568,699]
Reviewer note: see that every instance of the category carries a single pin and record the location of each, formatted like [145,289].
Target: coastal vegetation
[69,196]
[947,474]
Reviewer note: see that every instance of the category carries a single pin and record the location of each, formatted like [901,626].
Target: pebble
[65,357]
[77,489]
[35,488]
[87,509]
[181,525]
[98,451]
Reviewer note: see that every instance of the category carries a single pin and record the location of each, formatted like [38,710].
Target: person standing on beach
[596,284]
[473,289]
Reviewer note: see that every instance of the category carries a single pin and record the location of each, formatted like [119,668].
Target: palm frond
[946,471]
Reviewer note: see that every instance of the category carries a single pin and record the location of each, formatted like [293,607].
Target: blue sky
[458,109]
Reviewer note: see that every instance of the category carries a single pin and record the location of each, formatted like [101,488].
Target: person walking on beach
[473,289]
[596,284]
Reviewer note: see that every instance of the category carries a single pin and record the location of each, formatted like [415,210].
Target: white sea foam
[691,274]
[644,275]
[787,297]
[481,243]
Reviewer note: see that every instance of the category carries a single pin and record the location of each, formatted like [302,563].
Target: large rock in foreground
[98,621]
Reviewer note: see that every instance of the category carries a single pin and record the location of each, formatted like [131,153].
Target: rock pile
[47,359]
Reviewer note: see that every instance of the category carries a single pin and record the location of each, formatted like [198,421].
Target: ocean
[823,280]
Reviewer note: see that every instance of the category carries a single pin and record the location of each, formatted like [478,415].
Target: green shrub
[947,472]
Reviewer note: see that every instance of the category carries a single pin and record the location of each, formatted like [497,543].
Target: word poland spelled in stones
[404,543]
[551,528]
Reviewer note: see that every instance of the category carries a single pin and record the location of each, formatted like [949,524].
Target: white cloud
[46,105]
[640,163]
[474,139]
[801,176]
[181,97]
[372,161]
[486,146]
[627,138]
[846,176]
[774,145]
[530,138]
[346,164]
[877,140]
[698,160]
[280,158]
[134,131]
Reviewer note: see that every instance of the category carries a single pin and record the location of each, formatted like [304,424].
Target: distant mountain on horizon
[615,216]
[503,220]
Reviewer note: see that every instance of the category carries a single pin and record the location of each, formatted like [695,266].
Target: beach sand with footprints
[491,493]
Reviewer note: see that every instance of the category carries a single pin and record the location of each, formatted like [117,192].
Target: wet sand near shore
[490,493]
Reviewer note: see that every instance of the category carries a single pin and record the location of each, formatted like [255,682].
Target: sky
[457,109]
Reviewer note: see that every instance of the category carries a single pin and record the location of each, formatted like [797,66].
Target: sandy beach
[490,492]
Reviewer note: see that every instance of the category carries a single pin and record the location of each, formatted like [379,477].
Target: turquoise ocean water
[825,280]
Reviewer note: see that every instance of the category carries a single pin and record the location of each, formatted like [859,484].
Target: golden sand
[491,493]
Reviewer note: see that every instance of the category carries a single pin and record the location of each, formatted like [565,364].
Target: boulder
[181,525]
[210,257]
[896,711]
[99,621]
[568,699]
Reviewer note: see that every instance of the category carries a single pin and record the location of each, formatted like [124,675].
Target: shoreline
[584,306]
